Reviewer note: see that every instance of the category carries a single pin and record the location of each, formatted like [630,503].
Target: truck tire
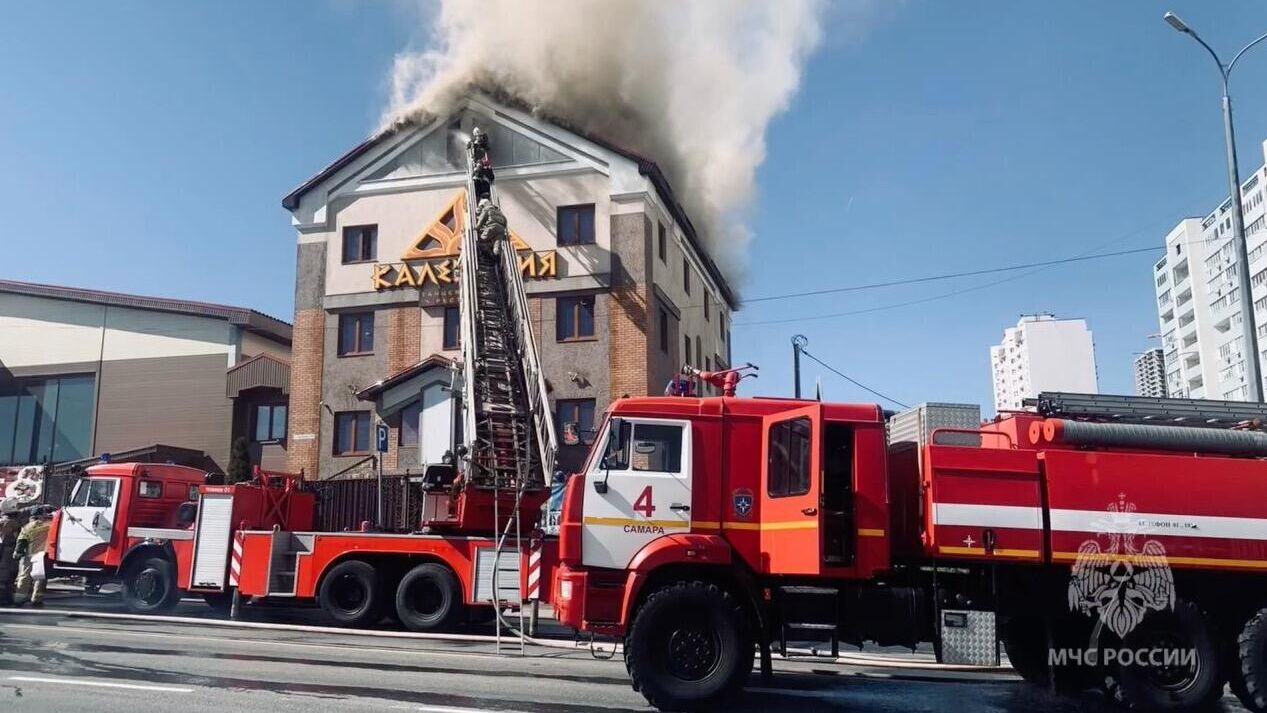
[351,593]
[690,644]
[1251,658]
[149,586]
[429,598]
[1180,687]
[1025,642]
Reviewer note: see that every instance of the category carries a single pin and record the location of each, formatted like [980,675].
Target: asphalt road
[57,662]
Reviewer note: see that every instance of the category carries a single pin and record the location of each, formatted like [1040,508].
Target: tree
[239,460]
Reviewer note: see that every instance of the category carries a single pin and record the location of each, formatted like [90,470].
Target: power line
[950,275]
[853,381]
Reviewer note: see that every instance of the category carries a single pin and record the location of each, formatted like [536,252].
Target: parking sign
[380,438]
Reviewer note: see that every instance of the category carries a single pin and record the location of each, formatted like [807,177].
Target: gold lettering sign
[439,273]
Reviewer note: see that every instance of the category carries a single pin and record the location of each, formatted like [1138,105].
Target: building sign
[441,273]
[431,259]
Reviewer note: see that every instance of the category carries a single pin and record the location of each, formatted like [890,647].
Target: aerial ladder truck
[476,548]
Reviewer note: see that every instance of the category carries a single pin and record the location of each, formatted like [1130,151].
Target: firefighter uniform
[32,541]
[9,527]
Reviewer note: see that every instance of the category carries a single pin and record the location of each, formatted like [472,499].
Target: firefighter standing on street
[32,541]
[9,527]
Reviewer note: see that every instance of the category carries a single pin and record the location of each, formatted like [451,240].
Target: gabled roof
[646,167]
[434,361]
[248,319]
[261,370]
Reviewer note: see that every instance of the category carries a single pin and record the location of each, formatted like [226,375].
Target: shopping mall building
[621,292]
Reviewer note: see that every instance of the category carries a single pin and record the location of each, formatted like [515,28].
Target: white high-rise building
[1150,373]
[1199,307]
[1042,353]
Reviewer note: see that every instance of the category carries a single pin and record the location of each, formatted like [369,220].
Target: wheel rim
[693,651]
[426,597]
[151,586]
[1174,677]
[349,592]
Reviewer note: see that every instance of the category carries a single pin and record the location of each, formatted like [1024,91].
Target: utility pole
[1248,323]
[798,343]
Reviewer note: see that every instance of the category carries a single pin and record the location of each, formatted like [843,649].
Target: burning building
[620,291]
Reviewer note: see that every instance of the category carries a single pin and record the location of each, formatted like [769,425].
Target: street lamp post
[1238,214]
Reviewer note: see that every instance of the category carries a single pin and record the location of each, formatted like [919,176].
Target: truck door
[88,518]
[791,507]
[639,491]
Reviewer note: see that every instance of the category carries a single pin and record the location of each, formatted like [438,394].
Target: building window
[270,422]
[452,327]
[686,276]
[46,419]
[574,318]
[360,243]
[351,433]
[787,467]
[664,330]
[699,352]
[409,423]
[578,411]
[721,327]
[706,305]
[662,244]
[576,224]
[356,334]
[686,349]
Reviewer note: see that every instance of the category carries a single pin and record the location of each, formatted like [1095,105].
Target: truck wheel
[351,593]
[429,598]
[1251,654]
[1025,642]
[149,586]
[690,643]
[1186,685]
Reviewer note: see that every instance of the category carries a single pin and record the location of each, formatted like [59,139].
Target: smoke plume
[692,85]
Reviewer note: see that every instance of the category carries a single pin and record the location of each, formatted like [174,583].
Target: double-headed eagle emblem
[1122,583]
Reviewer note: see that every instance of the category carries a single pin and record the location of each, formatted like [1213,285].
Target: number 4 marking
[644,503]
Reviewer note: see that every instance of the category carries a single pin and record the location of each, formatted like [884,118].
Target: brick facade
[628,303]
[307,362]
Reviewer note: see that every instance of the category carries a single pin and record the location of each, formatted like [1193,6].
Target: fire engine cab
[702,530]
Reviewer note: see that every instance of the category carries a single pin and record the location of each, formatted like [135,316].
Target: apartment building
[1042,353]
[1150,373]
[1199,306]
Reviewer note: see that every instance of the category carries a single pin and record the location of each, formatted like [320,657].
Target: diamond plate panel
[969,638]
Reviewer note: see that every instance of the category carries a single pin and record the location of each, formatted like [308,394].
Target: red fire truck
[1102,541]
[161,532]
[470,547]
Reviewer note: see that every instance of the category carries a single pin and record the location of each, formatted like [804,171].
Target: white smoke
[692,85]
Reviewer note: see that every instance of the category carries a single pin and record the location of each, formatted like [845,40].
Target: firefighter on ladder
[490,226]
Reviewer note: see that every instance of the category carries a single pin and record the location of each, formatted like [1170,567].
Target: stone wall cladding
[342,378]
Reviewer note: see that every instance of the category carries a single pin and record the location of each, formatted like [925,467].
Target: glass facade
[46,419]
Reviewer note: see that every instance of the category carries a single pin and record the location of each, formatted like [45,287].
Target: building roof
[646,167]
[261,370]
[247,319]
[371,392]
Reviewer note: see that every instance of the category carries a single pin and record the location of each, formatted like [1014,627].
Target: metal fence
[345,504]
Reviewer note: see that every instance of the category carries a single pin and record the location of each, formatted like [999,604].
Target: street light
[1238,214]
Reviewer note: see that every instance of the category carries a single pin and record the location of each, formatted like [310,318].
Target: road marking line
[452,709]
[101,684]
[261,642]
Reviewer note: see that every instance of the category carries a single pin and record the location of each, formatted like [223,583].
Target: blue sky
[146,148]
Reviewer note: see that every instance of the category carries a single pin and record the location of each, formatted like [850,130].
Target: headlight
[565,589]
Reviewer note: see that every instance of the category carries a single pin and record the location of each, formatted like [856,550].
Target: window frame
[595,464]
[561,404]
[140,489]
[356,415]
[686,275]
[272,407]
[662,244]
[578,210]
[445,344]
[360,231]
[664,329]
[806,457]
[360,318]
[686,353]
[576,302]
